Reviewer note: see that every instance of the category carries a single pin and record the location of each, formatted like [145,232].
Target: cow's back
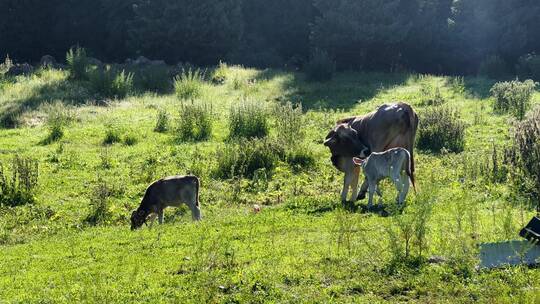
[173,190]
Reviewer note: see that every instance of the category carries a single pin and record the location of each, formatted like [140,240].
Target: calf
[168,191]
[393,163]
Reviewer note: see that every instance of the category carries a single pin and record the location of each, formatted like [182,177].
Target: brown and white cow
[389,126]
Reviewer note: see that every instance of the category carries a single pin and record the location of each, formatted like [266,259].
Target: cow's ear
[357,161]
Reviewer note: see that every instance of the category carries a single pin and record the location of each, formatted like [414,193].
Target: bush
[289,123]
[248,119]
[300,157]
[107,82]
[189,84]
[493,67]
[513,96]
[431,95]
[441,128]
[525,155]
[154,78]
[529,66]
[18,189]
[130,140]
[162,121]
[320,66]
[57,118]
[99,205]
[112,135]
[195,121]
[219,76]
[78,62]
[245,156]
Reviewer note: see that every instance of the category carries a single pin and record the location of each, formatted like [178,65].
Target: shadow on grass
[344,91]
[67,92]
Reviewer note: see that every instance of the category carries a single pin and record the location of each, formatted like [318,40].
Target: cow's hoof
[361,196]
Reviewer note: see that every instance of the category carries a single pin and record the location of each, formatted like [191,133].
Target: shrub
[99,204]
[513,96]
[441,127]
[130,139]
[195,121]
[107,82]
[77,61]
[525,154]
[219,76]
[112,135]
[162,121]
[431,96]
[153,78]
[529,66]
[6,65]
[189,84]
[245,156]
[248,119]
[57,118]
[320,66]
[493,67]
[18,189]
[289,123]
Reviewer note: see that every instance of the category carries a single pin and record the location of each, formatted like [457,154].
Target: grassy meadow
[73,243]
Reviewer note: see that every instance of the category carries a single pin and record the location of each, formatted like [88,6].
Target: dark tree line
[440,36]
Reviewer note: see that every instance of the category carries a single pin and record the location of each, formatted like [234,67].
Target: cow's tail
[413,124]
[408,170]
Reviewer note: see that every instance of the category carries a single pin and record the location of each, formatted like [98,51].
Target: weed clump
[99,204]
[248,119]
[162,121]
[195,121]
[219,76]
[110,83]
[525,155]
[112,135]
[289,123]
[320,66]
[18,189]
[78,62]
[513,96]
[441,128]
[57,118]
[245,156]
[189,84]
[130,139]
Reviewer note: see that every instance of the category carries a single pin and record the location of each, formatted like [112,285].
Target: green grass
[302,247]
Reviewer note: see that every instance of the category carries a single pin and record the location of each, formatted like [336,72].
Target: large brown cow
[389,126]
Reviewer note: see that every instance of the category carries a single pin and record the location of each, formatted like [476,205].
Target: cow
[394,163]
[168,191]
[389,126]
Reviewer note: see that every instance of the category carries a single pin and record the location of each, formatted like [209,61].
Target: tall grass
[290,123]
[195,121]
[248,119]
[162,121]
[58,116]
[18,188]
[189,84]
[513,96]
[108,82]
[78,62]
[441,128]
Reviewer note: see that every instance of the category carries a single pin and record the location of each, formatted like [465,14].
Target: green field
[303,247]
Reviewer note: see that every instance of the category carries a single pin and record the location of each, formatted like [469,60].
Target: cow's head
[344,141]
[138,218]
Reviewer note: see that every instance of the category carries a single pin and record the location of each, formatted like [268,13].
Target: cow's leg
[195,211]
[354,185]
[346,184]
[405,190]
[372,187]
[396,179]
[151,218]
[160,216]
[363,190]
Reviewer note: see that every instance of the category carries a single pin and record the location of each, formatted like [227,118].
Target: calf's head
[344,141]
[138,218]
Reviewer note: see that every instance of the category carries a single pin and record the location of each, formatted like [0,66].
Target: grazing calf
[168,191]
[393,163]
